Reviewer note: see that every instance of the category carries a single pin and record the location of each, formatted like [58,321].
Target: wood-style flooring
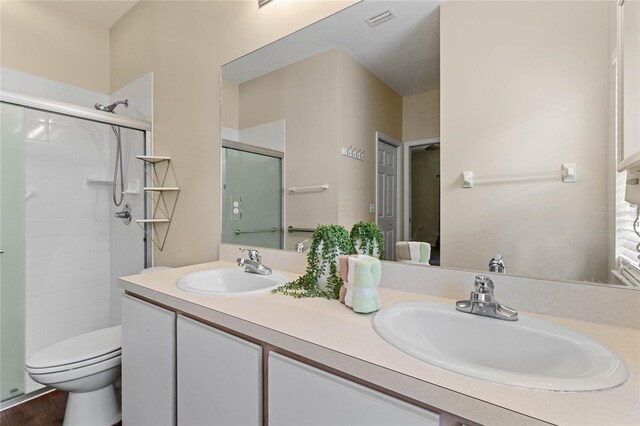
[45,410]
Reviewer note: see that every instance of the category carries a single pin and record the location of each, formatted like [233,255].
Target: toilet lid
[77,349]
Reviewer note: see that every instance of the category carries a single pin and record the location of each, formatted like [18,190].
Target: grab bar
[238,232]
[323,187]
[292,229]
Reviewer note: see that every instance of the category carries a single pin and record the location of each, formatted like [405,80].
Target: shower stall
[64,236]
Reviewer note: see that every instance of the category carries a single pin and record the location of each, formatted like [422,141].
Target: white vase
[360,248]
[324,276]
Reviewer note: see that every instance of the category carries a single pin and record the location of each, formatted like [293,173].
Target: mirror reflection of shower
[117,200]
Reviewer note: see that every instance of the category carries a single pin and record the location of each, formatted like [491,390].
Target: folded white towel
[414,250]
[348,298]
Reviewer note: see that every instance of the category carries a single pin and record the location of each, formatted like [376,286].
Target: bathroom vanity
[273,359]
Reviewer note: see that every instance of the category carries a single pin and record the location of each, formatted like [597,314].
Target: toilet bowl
[86,366]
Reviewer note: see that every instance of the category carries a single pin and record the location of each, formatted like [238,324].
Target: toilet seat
[61,376]
[72,366]
[77,352]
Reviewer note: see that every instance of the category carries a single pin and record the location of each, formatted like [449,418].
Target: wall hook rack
[354,152]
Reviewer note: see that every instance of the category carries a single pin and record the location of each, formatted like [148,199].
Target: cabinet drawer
[148,364]
[219,377]
[303,395]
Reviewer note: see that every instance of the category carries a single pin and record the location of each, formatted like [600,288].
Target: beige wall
[184,44]
[527,102]
[43,40]
[366,106]
[230,98]
[328,101]
[305,95]
[421,116]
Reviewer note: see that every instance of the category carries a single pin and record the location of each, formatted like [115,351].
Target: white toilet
[86,366]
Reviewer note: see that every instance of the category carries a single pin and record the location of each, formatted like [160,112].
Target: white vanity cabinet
[148,363]
[179,370]
[219,377]
[303,395]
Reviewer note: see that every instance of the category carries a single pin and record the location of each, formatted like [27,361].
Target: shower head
[111,107]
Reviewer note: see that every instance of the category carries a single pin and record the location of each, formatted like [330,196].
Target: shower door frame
[252,149]
[90,114]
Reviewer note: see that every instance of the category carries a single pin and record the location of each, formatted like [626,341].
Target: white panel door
[303,395]
[148,364]
[219,377]
[387,196]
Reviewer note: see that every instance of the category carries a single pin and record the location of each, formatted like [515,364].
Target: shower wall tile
[35,115]
[33,86]
[36,130]
[61,133]
[9,80]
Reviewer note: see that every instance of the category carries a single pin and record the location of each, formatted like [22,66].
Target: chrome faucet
[253,264]
[482,302]
[300,246]
[497,265]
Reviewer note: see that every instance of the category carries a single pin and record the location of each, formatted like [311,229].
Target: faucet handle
[253,253]
[496,264]
[300,246]
[483,284]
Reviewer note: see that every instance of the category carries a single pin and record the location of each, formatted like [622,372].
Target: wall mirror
[629,83]
[479,128]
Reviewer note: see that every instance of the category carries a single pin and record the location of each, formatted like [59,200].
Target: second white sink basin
[527,353]
[230,282]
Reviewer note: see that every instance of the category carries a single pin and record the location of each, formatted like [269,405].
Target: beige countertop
[327,332]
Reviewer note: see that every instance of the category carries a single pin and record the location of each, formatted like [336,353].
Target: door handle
[1,251]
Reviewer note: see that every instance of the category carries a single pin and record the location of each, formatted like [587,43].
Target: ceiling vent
[380,18]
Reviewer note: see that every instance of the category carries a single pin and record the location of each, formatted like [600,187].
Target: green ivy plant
[328,242]
[370,236]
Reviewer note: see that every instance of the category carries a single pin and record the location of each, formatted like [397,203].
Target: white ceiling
[403,52]
[102,12]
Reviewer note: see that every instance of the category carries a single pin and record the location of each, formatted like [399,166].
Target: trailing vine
[328,242]
[369,236]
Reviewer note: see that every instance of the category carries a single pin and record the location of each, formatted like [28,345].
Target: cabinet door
[219,377]
[148,364]
[303,395]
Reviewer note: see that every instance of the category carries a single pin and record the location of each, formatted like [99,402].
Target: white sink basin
[527,353]
[230,282]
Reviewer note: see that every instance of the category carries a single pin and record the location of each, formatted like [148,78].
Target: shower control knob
[125,214]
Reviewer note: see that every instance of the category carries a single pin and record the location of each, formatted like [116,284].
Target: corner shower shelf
[157,168]
[152,158]
[160,189]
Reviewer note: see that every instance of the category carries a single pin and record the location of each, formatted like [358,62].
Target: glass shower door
[252,199]
[12,258]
